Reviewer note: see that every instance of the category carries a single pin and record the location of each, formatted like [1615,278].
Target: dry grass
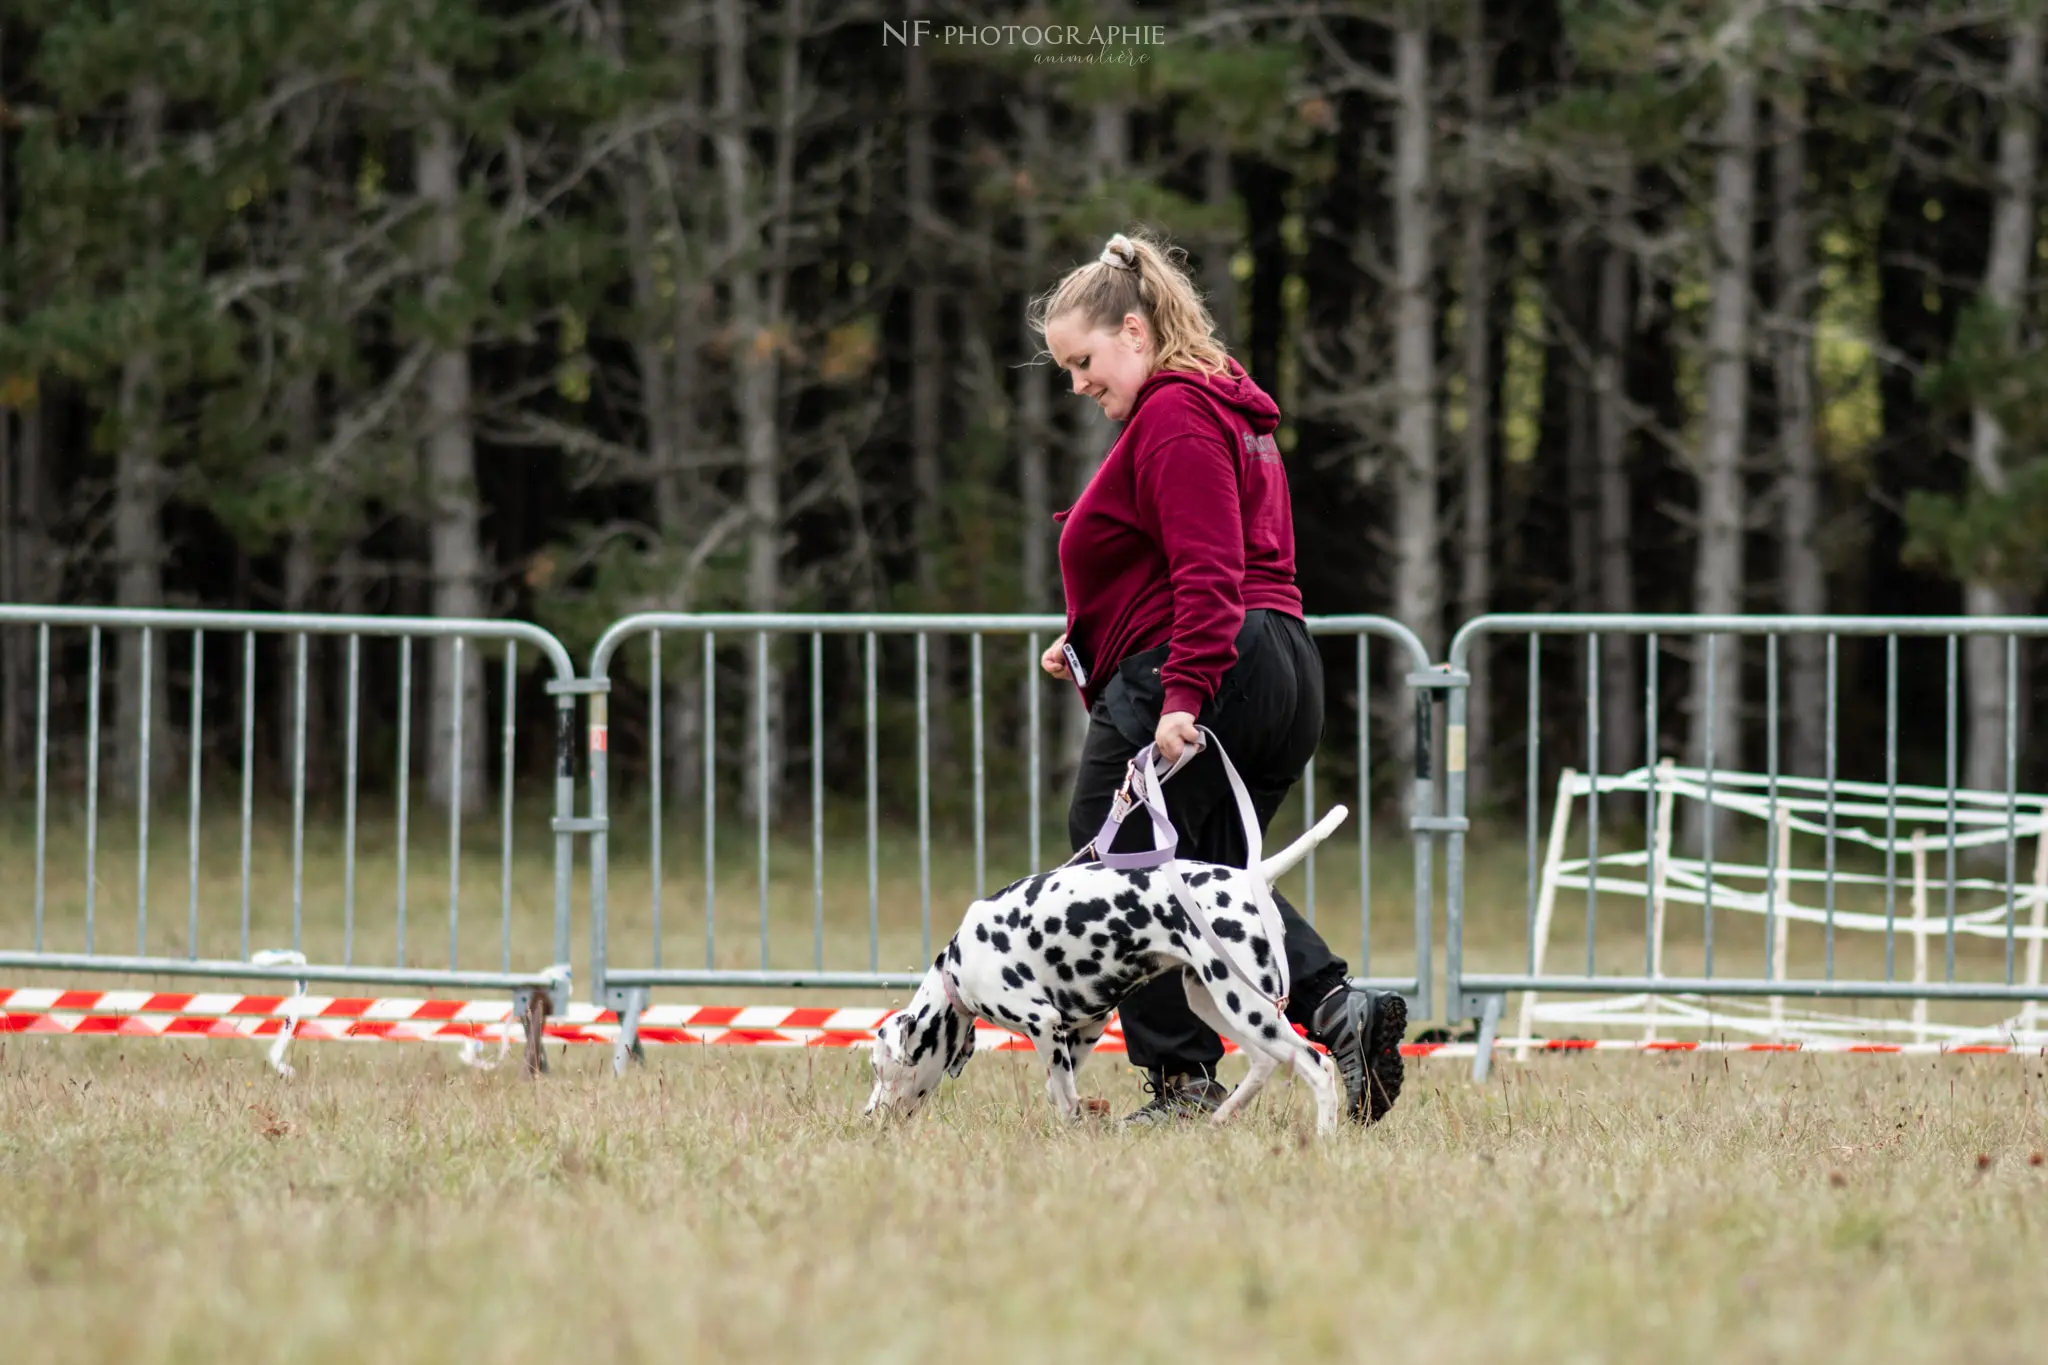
[175,1202]
[388,1205]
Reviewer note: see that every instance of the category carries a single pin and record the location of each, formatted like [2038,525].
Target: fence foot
[1489,1025]
[628,1005]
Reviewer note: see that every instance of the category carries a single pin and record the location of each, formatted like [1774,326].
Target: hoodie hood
[1235,390]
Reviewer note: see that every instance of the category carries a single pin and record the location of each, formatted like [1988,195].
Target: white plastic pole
[1666,798]
[1546,896]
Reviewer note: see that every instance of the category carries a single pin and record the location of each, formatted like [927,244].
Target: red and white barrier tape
[155,1014]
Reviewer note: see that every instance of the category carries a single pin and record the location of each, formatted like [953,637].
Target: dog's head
[917,1048]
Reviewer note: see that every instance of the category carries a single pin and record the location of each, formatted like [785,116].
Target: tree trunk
[455,545]
[1475,578]
[928,374]
[14,649]
[1092,432]
[1621,718]
[1718,570]
[1581,493]
[301,579]
[138,525]
[757,343]
[665,354]
[1801,574]
[2005,282]
[1418,581]
[1218,282]
[1034,393]
[302,436]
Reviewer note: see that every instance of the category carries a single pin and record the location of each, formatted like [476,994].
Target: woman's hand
[1176,731]
[1054,660]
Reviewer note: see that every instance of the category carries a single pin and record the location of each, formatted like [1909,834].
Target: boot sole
[1384,1068]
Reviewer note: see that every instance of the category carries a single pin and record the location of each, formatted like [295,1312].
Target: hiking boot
[1184,1095]
[1363,1030]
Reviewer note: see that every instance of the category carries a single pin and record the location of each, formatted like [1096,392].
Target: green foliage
[1984,537]
[1982,534]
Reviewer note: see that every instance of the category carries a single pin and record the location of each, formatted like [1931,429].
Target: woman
[1178,564]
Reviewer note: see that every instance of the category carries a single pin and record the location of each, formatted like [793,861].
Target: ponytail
[1134,274]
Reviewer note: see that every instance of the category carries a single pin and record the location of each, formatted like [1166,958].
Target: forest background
[573,309]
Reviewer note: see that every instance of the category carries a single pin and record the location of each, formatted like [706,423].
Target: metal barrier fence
[330,944]
[886,704]
[1855,873]
[842,661]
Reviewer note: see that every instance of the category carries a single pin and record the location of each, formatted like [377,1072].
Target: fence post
[1427,825]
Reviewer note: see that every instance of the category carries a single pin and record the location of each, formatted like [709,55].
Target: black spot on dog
[1052,924]
[1222,900]
[953,951]
[1012,980]
[1055,955]
[1138,877]
[928,1038]
[1200,879]
[1002,943]
[1099,940]
[1218,970]
[1260,950]
[1229,929]
[1084,913]
[1033,886]
[1034,940]
[1254,1018]
[1231,1000]
[1015,917]
[981,932]
[1266,984]
[1269,1032]
[1138,917]
[1066,972]
[1088,968]
[1024,970]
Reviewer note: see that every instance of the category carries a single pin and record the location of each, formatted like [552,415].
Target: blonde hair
[1135,274]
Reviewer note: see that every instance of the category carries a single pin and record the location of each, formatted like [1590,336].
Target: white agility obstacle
[1809,828]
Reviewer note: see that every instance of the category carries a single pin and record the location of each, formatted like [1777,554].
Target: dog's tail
[1281,863]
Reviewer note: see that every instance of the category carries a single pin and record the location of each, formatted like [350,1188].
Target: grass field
[166,1201]
[162,1203]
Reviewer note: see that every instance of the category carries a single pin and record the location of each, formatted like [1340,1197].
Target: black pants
[1268,715]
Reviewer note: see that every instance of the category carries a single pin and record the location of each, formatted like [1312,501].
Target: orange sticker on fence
[597,739]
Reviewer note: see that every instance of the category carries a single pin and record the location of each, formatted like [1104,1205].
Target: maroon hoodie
[1186,526]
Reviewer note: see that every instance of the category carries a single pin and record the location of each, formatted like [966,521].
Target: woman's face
[1109,366]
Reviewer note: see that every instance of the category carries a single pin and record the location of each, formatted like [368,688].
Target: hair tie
[1120,253]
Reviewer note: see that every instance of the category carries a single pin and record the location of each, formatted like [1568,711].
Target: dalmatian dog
[1051,956]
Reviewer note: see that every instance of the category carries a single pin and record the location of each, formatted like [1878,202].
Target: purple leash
[1143,785]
